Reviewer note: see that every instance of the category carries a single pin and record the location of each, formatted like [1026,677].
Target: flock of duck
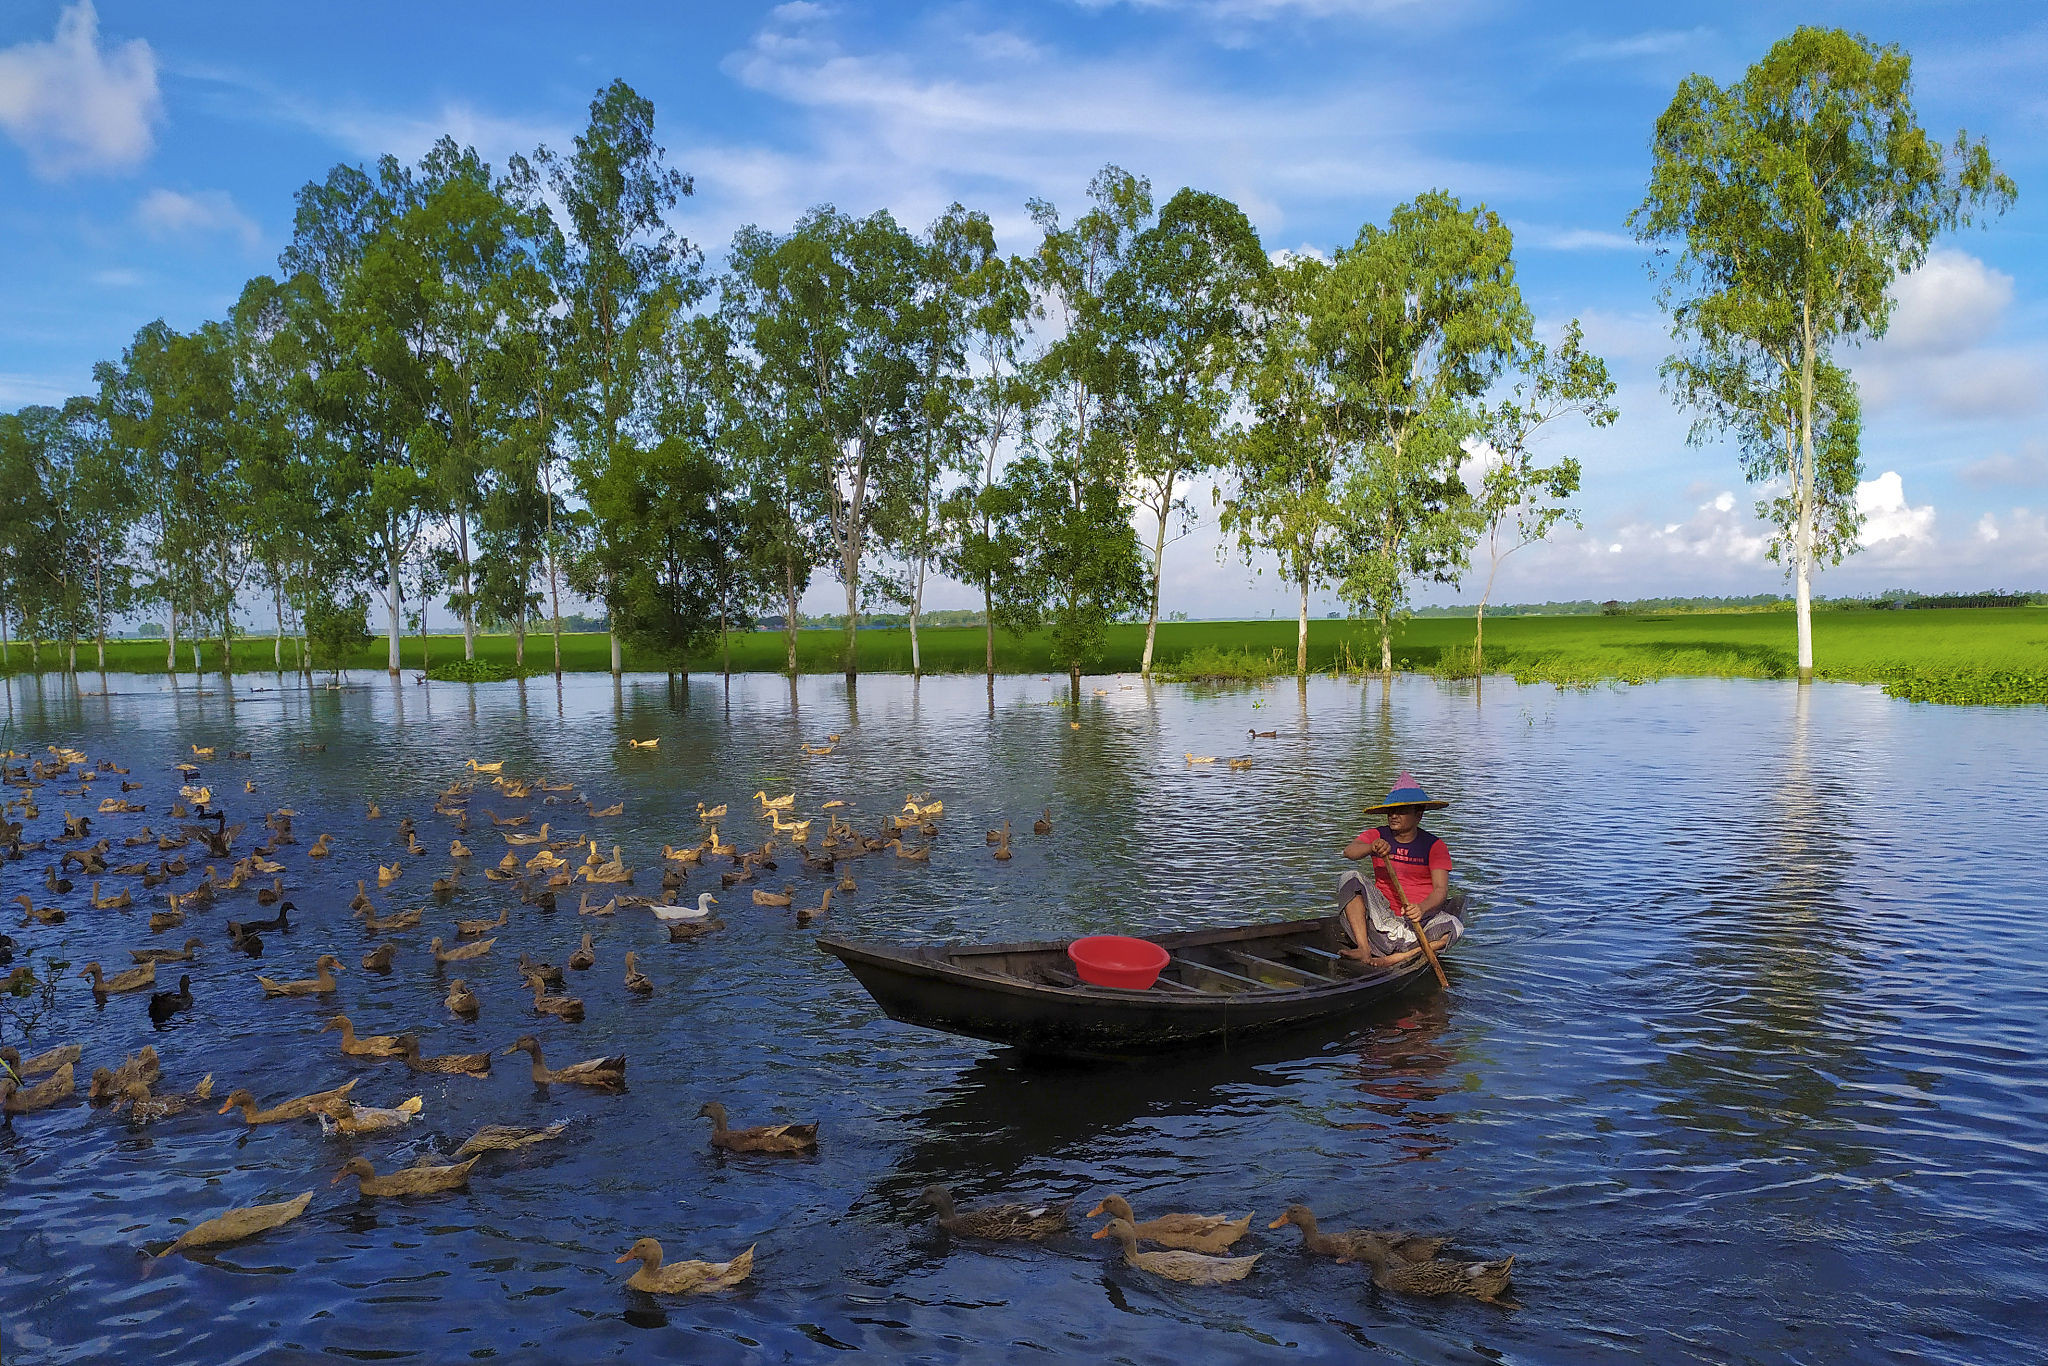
[1189,1248]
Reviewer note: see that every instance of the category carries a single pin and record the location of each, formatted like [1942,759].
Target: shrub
[475,671]
[1211,664]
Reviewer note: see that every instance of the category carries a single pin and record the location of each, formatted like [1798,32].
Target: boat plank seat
[1060,977]
[1242,983]
[1297,976]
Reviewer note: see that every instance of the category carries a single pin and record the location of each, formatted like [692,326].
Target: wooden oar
[1421,933]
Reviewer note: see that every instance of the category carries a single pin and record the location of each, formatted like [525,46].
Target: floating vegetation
[1969,687]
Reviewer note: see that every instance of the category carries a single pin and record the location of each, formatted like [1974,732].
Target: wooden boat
[1219,986]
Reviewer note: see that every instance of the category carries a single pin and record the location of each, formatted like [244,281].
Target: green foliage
[477,671]
[1213,663]
[336,631]
[1978,688]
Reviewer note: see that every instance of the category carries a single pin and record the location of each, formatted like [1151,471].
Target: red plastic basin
[1117,960]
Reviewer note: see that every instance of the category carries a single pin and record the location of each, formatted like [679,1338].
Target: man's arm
[1363,847]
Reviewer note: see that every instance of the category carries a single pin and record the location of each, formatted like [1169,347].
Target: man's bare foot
[1355,955]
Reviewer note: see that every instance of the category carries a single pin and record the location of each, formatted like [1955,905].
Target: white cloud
[1950,304]
[1938,352]
[167,213]
[1656,42]
[72,106]
[1895,532]
[119,277]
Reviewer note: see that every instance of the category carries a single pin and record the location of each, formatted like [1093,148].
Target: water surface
[1741,1058]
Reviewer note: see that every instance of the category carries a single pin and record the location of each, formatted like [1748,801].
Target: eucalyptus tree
[1177,314]
[1784,206]
[44,565]
[1285,462]
[1085,564]
[101,498]
[1417,319]
[621,265]
[21,516]
[829,312]
[1520,501]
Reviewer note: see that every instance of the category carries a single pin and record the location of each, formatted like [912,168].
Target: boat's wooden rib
[1300,977]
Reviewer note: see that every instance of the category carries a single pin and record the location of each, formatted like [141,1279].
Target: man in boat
[1381,936]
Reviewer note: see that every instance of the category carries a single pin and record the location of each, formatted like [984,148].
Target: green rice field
[1959,654]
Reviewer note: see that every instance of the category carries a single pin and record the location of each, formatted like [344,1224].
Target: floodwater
[1741,1058]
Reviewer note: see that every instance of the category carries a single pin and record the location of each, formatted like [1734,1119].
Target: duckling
[461,1000]
[1480,1280]
[563,1007]
[781,898]
[604,1074]
[1344,1246]
[351,1120]
[1043,825]
[164,1004]
[370,1046]
[682,1278]
[380,958]
[319,984]
[461,952]
[237,1224]
[501,1138]
[56,1087]
[303,1107]
[637,982]
[1191,1268]
[763,1138]
[135,979]
[806,914]
[483,923]
[1188,1232]
[415,1180]
[446,1064]
[1000,1223]
[183,955]
[1194,758]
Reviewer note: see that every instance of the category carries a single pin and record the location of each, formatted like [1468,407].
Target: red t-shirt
[1415,859]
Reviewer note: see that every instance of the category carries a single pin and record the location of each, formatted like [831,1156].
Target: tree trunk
[1074,683]
[171,638]
[391,594]
[618,656]
[5,659]
[789,621]
[851,565]
[555,607]
[1802,493]
[468,593]
[196,664]
[227,613]
[277,645]
[1479,640]
[988,630]
[519,638]
[99,597]
[1386,618]
[1158,565]
[725,646]
[1301,633]
[425,662]
[916,604]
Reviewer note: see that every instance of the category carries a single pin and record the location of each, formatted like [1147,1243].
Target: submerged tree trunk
[277,643]
[618,656]
[916,605]
[852,621]
[468,594]
[988,631]
[1074,683]
[171,637]
[391,596]
[519,639]
[1386,619]
[1479,640]
[1301,634]
[789,621]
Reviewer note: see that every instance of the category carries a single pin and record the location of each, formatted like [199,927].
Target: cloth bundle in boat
[1386,928]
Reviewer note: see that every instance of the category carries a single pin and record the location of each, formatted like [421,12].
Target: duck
[50,915]
[708,814]
[694,854]
[457,849]
[1188,1232]
[199,753]
[380,958]
[562,1007]
[49,1060]
[281,921]
[675,915]
[733,877]
[1190,1268]
[643,744]
[1344,1246]
[781,898]
[546,972]
[617,808]
[483,923]
[806,914]
[51,1090]
[1194,758]
[461,1000]
[682,1278]
[538,837]
[1001,1223]
[402,920]
[321,847]
[319,984]
[144,1107]
[585,956]
[1480,1280]
[445,888]
[389,873]
[505,1138]
[373,813]
[237,1224]
[461,952]
[683,931]
[110,1084]
[55,884]
[477,767]
[769,803]
[1043,825]
[135,979]
[445,1064]
[351,1120]
[637,982]
[921,854]
[604,1074]
[1001,853]
[762,1138]
[302,1107]
[370,1046]
[184,955]
[584,906]
[119,901]
[164,1004]
[361,902]
[999,835]
[415,1180]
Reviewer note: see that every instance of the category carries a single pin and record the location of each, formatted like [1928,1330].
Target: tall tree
[1784,207]
[1417,319]
[622,264]
[1519,501]
[1177,314]
[1285,462]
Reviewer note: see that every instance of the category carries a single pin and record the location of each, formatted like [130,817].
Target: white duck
[671,915]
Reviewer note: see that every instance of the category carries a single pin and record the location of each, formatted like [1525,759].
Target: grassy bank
[1986,654]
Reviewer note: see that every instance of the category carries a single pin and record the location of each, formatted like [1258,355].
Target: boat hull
[1018,994]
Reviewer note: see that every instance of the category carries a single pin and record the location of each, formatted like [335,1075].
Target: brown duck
[380,958]
[637,982]
[763,1138]
[372,1046]
[462,1000]
[462,952]
[319,984]
[1002,1223]
[585,956]
[568,1008]
[503,1138]
[1480,1280]
[418,1180]
[166,955]
[58,1086]
[303,1107]
[135,979]
[605,1074]
[109,1086]
[238,1224]
[1191,1268]
[453,1064]
[682,1278]
[1189,1232]
[47,1061]
[1345,1246]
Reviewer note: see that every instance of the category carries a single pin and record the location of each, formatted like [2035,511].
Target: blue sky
[149,152]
